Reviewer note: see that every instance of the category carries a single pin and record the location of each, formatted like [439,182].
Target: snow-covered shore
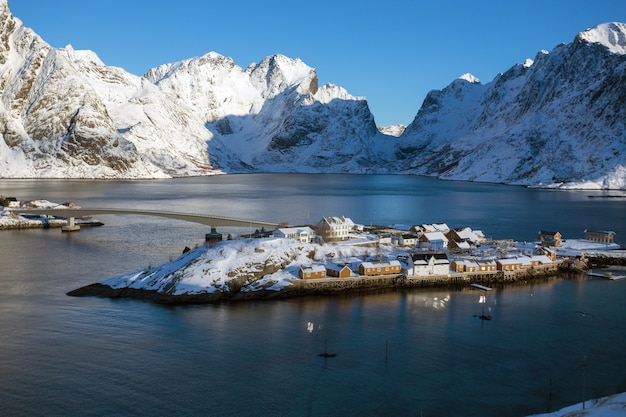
[256,268]
[610,406]
[14,220]
[230,270]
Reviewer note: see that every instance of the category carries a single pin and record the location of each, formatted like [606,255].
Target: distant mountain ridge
[557,120]
[64,114]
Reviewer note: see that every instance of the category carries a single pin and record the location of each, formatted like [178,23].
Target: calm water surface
[398,353]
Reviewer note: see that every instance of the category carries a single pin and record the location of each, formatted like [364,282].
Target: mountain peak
[611,34]
[470,78]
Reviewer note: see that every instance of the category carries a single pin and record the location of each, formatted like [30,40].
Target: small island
[338,256]
[10,219]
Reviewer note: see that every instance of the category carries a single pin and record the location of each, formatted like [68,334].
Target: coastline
[332,286]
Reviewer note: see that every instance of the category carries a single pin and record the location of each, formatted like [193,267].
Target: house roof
[440,258]
[509,261]
[467,233]
[435,236]
[379,264]
[601,232]
[337,221]
[467,263]
[296,230]
[462,244]
[547,233]
[313,268]
[336,267]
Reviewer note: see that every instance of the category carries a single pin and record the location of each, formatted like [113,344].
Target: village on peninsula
[337,254]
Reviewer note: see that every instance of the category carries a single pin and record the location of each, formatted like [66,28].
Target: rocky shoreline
[304,288]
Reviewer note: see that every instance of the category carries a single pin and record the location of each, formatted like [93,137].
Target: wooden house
[303,234]
[459,246]
[464,234]
[335,228]
[464,265]
[380,267]
[600,236]
[548,238]
[428,264]
[407,239]
[338,270]
[486,265]
[509,264]
[312,271]
[434,241]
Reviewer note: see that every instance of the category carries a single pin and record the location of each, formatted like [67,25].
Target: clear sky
[392,52]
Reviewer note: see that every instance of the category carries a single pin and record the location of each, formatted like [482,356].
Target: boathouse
[464,265]
[338,270]
[509,264]
[600,236]
[380,267]
[312,271]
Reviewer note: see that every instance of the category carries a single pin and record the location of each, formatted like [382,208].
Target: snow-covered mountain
[559,119]
[64,114]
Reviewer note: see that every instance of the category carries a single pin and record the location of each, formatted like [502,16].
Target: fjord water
[417,352]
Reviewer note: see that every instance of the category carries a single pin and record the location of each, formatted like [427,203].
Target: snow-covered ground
[254,264]
[610,406]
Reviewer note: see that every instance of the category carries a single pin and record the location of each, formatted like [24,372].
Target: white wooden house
[335,228]
[407,239]
[434,241]
[303,234]
[427,264]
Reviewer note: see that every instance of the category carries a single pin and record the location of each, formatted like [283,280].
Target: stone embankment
[333,286]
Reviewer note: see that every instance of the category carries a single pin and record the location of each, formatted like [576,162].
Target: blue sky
[392,52]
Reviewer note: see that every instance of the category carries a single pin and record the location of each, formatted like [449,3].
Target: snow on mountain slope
[298,126]
[557,121]
[65,114]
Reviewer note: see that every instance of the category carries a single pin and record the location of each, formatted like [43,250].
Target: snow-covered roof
[462,244]
[295,230]
[379,264]
[338,221]
[313,268]
[510,261]
[435,237]
[336,267]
